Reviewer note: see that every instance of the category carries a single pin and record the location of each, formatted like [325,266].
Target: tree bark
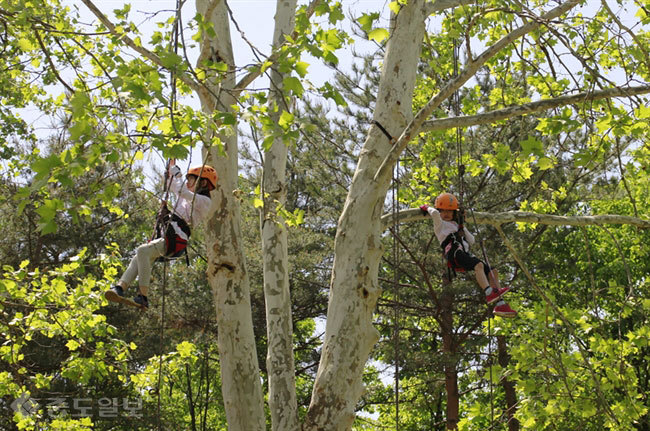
[449,355]
[508,386]
[497,219]
[354,287]
[227,273]
[531,108]
[279,359]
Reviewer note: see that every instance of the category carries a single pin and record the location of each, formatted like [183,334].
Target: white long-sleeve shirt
[443,228]
[193,208]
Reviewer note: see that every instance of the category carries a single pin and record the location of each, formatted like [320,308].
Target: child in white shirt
[173,228]
[455,245]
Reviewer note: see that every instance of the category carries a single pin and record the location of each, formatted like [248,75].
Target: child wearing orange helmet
[455,243]
[173,228]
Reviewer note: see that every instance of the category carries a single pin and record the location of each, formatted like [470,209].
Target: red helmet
[446,201]
[207,172]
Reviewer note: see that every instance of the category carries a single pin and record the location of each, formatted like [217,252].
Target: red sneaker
[504,310]
[496,294]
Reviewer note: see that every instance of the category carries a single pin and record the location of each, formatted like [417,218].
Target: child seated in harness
[455,243]
[173,228]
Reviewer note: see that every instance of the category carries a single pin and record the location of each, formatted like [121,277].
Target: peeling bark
[497,219]
[227,273]
[531,108]
[354,290]
[279,359]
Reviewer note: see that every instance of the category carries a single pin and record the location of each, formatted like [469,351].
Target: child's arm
[468,236]
[435,215]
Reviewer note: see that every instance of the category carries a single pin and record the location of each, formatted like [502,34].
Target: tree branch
[531,108]
[51,63]
[498,219]
[253,75]
[139,49]
[413,128]
[440,5]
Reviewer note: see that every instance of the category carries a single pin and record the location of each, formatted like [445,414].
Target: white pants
[141,264]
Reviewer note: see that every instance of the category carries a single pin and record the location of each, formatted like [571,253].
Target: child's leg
[146,256]
[481,278]
[494,279]
[130,274]
[141,264]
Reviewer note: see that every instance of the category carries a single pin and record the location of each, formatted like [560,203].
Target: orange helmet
[207,172]
[446,201]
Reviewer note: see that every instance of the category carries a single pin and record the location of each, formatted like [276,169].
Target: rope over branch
[497,219]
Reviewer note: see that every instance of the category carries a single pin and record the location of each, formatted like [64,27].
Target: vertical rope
[459,148]
[162,337]
[172,109]
[396,311]
[491,378]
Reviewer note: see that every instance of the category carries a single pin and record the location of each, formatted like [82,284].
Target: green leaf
[643,112]
[265,66]
[336,14]
[49,208]
[44,165]
[366,20]
[286,119]
[79,103]
[330,92]
[545,163]
[185,349]
[72,345]
[378,35]
[293,84]
[227,118]
[532,146]
[170,59]
[79,128]
[26,45]
[301,68]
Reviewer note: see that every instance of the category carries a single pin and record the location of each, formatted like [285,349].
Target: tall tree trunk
[227,274]
[449,356]
[354,288]
[279,359]
[508,386]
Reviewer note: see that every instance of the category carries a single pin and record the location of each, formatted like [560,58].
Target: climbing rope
[396,309]
[172,109]
[459,147]
[396,258]
[461,214]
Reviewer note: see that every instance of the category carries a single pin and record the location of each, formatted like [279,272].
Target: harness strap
[175,241]
[449,247]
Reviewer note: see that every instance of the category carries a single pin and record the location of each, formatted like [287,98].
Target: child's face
[191,182]
[447,215]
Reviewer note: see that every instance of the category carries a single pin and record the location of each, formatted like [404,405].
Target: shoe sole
[114,297]
[495,299]
[506,315]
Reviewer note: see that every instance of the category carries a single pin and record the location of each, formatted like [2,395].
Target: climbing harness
[173,228]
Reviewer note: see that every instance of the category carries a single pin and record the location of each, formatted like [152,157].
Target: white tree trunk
[279,359]
[354,288]
[227,274]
